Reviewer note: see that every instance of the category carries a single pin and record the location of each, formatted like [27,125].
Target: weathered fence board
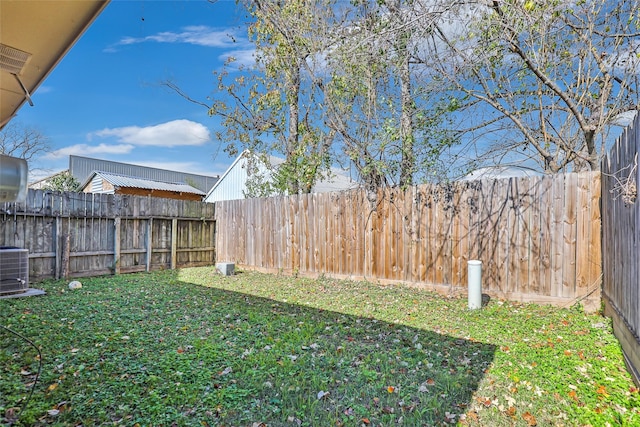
[83,234]
[537,237]
[620,240]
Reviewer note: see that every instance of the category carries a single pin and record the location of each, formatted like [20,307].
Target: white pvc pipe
[474,270]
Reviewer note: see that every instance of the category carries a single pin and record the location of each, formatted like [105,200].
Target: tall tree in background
[332,78]
[394,85]
[23,141]
[386,127]
[545,79]
[401,43]
[272,110]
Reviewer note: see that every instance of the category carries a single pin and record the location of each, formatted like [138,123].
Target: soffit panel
[46,30]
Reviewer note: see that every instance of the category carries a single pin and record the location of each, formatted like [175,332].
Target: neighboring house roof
[497,172]
[119,181]
[82,167]
[34,36]
[232,185]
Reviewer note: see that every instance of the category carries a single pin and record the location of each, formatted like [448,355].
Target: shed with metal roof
[81,168]
[110,183]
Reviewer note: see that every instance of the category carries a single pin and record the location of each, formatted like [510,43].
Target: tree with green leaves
[400,89]
[269,109]
[333,81]
[374,98]
[62,181]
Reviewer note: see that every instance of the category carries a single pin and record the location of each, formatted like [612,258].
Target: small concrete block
[225,268]
[75,285]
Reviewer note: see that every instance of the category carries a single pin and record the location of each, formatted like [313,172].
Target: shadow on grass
[152,349]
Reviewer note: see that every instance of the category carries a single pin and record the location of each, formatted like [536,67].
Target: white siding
[97,185]
[232,185]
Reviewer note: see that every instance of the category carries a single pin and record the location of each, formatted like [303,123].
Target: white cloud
[232,39]
[242,57]
[88,150]
[169,134]
[196,35]
[45,89]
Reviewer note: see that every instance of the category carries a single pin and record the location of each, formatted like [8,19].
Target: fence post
[58,246]
[116,246]
[66,256]
[174,242]
[149,243]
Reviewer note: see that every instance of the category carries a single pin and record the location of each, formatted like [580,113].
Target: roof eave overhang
[46,30]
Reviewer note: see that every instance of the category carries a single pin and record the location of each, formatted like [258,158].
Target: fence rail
[538,238]
[81,234]
[621,235]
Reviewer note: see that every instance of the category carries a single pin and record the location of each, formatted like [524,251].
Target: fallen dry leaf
[602,390]
[472,416]
[530,419]
[484,401]
[10,414]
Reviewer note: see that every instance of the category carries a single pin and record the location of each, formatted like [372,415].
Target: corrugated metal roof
[147,184]
[82,168]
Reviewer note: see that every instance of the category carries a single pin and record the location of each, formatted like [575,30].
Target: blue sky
[105,98]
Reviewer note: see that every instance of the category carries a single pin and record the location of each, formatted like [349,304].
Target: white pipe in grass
[474,269]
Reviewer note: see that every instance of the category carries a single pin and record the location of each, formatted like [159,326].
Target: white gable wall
[232,185]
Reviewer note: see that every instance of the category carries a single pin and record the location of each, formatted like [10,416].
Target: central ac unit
[14,270]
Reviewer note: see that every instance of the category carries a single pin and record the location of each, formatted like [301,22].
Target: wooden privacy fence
[538,238]
[80,234]
[621,242]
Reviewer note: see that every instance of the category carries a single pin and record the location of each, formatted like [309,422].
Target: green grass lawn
[192,348]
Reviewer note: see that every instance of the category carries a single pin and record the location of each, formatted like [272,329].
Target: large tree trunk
[406,120]
[293,94]
[401,42]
